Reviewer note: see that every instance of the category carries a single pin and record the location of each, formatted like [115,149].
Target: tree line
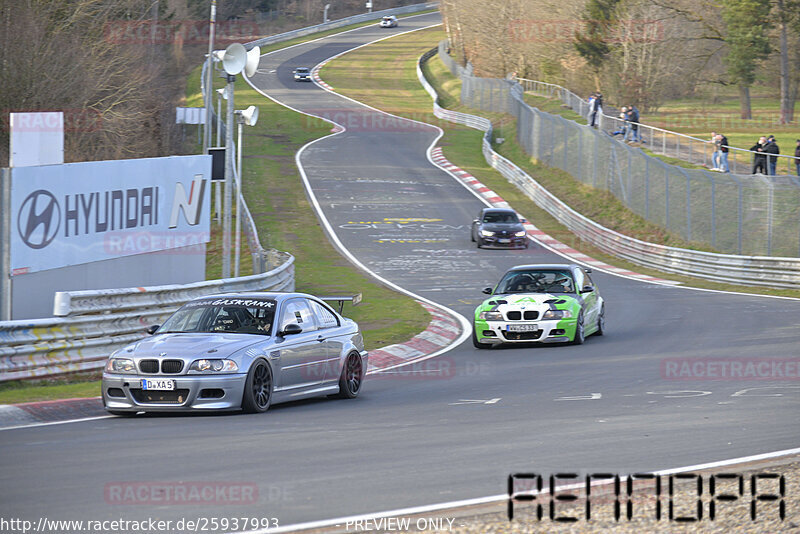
[635,51]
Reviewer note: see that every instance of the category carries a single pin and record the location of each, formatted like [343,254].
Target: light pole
[217,186]
[209,70]
[249,117]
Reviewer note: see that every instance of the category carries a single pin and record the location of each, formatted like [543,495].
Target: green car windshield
[539,281]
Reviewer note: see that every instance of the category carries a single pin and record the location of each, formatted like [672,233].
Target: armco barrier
[736,269]
[92,324]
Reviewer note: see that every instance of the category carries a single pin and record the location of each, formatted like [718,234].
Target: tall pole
[226,216]
[238,243]
[209,70]
[217,185]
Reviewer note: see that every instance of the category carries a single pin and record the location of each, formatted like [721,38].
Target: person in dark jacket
[723,153]
[772,148]
[797,155]
[760,158]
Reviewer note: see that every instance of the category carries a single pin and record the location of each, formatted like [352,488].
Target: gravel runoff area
[730,517]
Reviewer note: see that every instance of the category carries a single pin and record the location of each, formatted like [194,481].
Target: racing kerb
[737,269]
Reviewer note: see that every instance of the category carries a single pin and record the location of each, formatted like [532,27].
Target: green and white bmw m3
[540,303]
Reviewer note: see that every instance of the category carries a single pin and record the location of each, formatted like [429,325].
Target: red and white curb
[315,75]
[442,331]
[537,235]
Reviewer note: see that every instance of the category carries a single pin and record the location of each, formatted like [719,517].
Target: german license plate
[504,240]
[522,328]
[158,385]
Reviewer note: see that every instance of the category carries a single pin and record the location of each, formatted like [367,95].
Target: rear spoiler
[354,299]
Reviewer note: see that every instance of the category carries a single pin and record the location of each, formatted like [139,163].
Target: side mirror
[292,329]
[475,221]
[587,289]
[152,329]
[523,220]
[487,290]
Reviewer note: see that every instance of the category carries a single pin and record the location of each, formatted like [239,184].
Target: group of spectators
[765,160]
[629,127]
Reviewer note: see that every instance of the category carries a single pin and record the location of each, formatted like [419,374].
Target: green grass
[71,387]
[391,85]
[285,221]
[553,106]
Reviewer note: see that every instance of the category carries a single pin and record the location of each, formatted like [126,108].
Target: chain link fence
[735,214]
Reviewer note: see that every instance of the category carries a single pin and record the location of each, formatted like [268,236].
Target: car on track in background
[499,228]
[302,74]
[556,303]
[389,21]
[232,351]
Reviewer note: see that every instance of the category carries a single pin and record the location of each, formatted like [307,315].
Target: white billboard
[77,213]
[36,138]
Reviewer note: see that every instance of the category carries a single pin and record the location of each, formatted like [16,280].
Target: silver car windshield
[241,316]
[539,281]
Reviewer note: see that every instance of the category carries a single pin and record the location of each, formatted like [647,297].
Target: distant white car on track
[389,21]
[302,74]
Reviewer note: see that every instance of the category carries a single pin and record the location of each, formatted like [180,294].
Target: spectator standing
[592,109]
[723,153]
[760,158]
[772,148]
[797,155]
[634,119]
[715,154]
[627,116]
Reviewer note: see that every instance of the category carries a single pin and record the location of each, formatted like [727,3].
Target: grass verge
[392,86]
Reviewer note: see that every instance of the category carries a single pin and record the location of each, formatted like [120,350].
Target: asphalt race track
[456,426]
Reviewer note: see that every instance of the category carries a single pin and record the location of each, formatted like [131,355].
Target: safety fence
[89,325]
[750,215]
[738,269]
[666,142]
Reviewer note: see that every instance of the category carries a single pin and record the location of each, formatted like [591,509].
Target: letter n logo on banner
[191,206]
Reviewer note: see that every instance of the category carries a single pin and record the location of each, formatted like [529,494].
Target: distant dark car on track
[499,228]
[302,74]
[247,351]
[389,21]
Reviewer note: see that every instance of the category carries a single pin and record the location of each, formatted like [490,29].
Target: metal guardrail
[332,25]
[737,269]
[91,324]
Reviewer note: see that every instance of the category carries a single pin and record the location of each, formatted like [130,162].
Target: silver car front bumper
[192,393]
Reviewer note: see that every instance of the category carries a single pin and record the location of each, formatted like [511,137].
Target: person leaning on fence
[633,118]
[760,158]
[715,154]
[722,143]
[772,148]
[797,155]
[623,127]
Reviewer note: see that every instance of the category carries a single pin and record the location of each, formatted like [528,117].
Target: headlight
[486,233]
[121,365]
[521,233]
[490,316]
[557,314]
[214,366]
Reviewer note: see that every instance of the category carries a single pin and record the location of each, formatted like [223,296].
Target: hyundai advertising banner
[79,213]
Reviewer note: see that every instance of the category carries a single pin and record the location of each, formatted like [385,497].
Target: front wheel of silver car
[257,388]
[352,377]
[580,331]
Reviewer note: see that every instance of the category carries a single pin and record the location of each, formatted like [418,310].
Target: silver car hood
[190,345]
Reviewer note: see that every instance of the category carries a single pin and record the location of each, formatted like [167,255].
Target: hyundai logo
[38,219]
